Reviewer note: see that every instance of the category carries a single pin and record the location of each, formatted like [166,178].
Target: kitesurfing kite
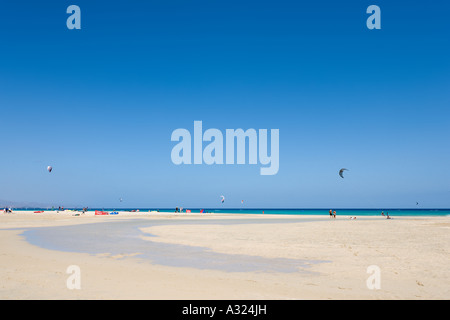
[121,199]
[223,199]
[341,172]
[49,169]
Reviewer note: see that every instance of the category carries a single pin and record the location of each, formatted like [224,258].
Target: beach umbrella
[341,172]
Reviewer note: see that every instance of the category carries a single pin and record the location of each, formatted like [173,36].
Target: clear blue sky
[99,104]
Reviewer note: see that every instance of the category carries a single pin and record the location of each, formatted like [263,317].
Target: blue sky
[99,104]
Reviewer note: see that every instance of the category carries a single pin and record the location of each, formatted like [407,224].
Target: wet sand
[212,256]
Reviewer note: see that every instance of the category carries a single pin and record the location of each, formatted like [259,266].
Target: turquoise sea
[352,212]
[339,211]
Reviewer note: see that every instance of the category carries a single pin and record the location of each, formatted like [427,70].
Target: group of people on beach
[387,215]
[7,210]
[332,214]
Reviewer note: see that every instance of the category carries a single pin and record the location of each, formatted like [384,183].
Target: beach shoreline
[413,264]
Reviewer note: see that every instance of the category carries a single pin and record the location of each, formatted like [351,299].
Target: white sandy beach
[412,254]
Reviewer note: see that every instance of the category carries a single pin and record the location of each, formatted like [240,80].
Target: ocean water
[339,211]
[351,212]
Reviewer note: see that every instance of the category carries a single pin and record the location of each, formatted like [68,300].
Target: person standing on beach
[334,214]
[331,213]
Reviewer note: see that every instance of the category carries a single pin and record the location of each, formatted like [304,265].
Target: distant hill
[23,204]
